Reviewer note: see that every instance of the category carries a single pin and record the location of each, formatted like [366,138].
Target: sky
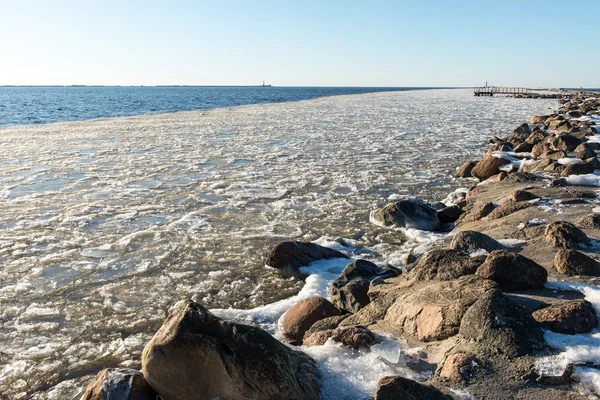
[529,43]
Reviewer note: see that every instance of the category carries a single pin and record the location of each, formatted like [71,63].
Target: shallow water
[105,224]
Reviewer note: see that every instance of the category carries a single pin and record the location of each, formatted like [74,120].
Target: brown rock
[507,208]
[475,211]
[470,241]
[289,256]
[408,214]
[565,142]
[535,138]
[356,337]
[398,388]
[565,234]
[433,310]
[512,271]
[523,148]
[449,214]
[522,195]
[298,319]
[488,167]
[458,367]
[197,356]
[464,171]
[540,148]
[444,264]
[325,324]
[577,169]
[590,221]
[539,119]
[571,262]
[570,317]
[119,384]
[554,155]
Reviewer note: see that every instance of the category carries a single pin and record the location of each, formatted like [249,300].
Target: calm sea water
[38,105]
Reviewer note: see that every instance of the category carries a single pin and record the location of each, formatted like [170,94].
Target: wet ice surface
[105,224]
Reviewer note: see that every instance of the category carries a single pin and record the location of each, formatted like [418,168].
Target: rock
[512,271]
[520,134]
[488,167]
[523,148]
[408,214]
[522,195]
[449,214]
[325,324]
[574,114]
[470,241]
[475,211]
[356,337]
[593,162]
[588,145]
[289,256]
[577,169]
[535,138]
[538,166]
[570,317]
[197,356]
[507,208]
[349,290]
[539,119]
[398,388]
[464,171]
[571,262]
[590,221]
[560,182]
[556,168]
[565,142]
[585,153]
[501,326]
[458,367]
[298,319]
[540,148]
[554,155]
[565,234]
[119,384]
[433,310]
[444,264]
[505,146]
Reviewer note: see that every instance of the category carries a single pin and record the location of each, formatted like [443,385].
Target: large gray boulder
[408,214]
[289,256]
[501,326]
[119,384]
[198,356]
[349,290]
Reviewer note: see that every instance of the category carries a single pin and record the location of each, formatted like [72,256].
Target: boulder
[488,167]
[554,155]
[522,195]
[458,367]
[119,384]
[408,214]
[570,317]
[593,162]
[565,142]
[572,263]
[433,310]
[523,148]
[398,388]
[444,264]
[577,169]
[464,171]
[198,356]
[325,324]
[475,211]
[470,241]
[501,326]
[349,290]
[585,153]
[539,119]
[565,234]
[535,138]
[540,148]
[590,221]
[512,271]
[449,214]
[356,337]
[507,208]
[289,256]
[555,167]
[298,319]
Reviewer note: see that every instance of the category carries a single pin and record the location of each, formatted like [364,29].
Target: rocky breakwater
[484,306]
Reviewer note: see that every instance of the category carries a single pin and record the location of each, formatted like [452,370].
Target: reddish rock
[565,234]
[570,317]
[356,337]
[571,262]
[298,319]
[458,367]
[488,167]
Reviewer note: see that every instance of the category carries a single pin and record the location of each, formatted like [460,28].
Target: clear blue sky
[333,43]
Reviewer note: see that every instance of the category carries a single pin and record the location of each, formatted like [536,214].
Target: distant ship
[263,85]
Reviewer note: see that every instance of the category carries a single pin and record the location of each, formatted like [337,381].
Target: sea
[116,203]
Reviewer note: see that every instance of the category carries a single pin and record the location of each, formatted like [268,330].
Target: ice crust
[107,223]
